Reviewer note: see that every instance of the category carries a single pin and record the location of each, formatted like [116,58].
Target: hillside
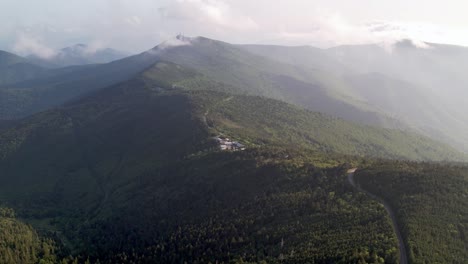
[436,82]
[14,68]
[233,67]
[426,114]
[313,88]
[92,179]
[254,120]
[376,91]
[20,243]
[421,87]
[430,203]
[303,56]
[61,85]
[129,169]
[267,120]
[132,172]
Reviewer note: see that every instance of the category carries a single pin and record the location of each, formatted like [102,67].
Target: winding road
[401,243]
[204,119]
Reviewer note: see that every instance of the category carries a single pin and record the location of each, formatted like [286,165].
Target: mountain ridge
[78,54]
[14,68]
[321,80]
[252,75]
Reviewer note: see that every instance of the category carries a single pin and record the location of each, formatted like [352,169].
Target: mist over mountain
[422,87]
[219,61]
[79,54]
[369,84]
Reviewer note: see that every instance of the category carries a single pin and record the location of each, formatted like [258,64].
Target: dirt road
[401,243]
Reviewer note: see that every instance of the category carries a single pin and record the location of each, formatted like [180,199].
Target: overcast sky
[40,26]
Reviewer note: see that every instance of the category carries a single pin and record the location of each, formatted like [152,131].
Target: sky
[43,26]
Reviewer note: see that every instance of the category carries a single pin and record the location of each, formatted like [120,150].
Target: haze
[39,27]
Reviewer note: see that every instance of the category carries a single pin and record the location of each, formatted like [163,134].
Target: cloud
[26,44]
[171,43]
[94,46]
[297,23]
[29,44]
[324,31]
[404,33]
[127,25]
[175,42]
[133,20]
[214,13]
[320,29]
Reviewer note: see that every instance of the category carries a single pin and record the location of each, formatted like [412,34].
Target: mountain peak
[77,49]
[411,44]
[183,38]
[177,41]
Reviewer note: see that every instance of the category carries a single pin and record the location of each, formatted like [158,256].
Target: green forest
[20,243]
[196,204]
[430,200]
[245,207]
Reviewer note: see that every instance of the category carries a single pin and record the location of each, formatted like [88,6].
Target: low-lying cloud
[139,25]
[171,43]
[26,45]
[211,13]
[315,27]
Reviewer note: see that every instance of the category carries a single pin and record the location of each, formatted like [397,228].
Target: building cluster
[227,144]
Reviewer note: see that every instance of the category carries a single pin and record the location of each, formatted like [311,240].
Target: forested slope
[157,189]
[132,173]
[267,121]
[20,243]
[430,203]
[14,68]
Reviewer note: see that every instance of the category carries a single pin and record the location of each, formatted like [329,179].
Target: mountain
[131,172]
[409,103]
[314,89]
[303,56]
[420,86]
[436,66]
[14,68]
[435,70]
[79,54]
[337,81]
[57,86]
[235,68]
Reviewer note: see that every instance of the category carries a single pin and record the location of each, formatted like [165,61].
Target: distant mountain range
[15,69]
[79,54]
